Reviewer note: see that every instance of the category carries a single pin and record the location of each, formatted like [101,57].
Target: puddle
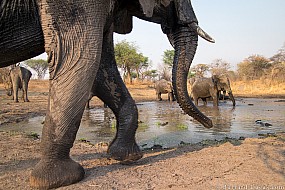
[165,124]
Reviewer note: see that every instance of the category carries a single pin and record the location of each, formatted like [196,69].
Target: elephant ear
[185,12]
[148,5]
[123,22]
[215,80]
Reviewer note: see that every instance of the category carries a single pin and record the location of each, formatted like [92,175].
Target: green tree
[39,65]
[168,56]
[141,63]
[128,58]
[149,74]
[253,67]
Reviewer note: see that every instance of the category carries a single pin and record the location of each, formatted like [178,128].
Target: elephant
[211,87]
[164,87]
[18,78]
[78,39]
[87,107]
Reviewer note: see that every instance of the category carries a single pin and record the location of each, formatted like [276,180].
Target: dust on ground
[228,164]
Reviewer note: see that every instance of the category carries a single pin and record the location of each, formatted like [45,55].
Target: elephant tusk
[201,32]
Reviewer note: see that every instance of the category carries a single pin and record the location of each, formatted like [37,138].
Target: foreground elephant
[18,78]
[164,87]
[78,38]
[211,87]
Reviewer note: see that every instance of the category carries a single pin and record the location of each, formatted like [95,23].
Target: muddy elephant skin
[164,87]
[78,39]
[211,87]
[18,79]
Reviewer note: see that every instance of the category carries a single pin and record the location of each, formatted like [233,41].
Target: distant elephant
[78,38]
[18,78]
[164,87]
[211,87]
[87,107]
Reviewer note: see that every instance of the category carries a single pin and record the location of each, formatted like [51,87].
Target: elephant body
[211,87]
[19,78]
[78,38]
[164,87]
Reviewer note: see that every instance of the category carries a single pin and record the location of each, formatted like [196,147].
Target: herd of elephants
[78,38]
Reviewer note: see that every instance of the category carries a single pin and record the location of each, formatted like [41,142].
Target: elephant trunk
[231,93]
[185,41]
[232,98]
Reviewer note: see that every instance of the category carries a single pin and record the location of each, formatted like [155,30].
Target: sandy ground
[228,164]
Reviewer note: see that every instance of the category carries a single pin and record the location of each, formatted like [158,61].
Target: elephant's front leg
[74,47]
[110,88]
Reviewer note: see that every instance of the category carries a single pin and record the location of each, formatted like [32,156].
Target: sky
[241,28]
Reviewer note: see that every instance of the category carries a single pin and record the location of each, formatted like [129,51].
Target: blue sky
[240,27]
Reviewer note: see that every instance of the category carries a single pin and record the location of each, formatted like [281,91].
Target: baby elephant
[164,87]
[18,79]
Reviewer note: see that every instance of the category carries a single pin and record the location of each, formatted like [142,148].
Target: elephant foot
[51,173]
[124,152]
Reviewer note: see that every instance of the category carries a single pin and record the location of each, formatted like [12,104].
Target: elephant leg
[74,51]
[204,101]
[159,96]
[88,102]
[25,91]
[110,88]
[15,84]
[170,96]
[224,95]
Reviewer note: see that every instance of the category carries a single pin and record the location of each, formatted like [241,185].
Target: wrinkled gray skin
[211,87]
[18,78]
[164,87]
[78,38]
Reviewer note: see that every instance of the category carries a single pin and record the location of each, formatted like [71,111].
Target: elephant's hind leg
[110,88]
[113,92]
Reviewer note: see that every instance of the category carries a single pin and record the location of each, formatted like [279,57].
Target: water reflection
[164,122]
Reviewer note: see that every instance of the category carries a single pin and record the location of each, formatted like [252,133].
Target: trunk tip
[208,124]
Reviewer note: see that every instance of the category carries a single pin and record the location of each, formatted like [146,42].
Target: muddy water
[165,124]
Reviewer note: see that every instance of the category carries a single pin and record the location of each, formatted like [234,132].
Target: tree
[253,67]
[39,65]
[168,56]
[141,63]
[200,70]
[219,66]
[129,59]
[149,74]
[278,66]
[280,56]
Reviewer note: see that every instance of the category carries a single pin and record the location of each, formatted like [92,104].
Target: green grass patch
[182,126]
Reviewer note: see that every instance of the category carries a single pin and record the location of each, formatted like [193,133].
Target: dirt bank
[231,164]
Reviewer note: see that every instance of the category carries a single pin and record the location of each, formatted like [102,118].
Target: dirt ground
[251,163]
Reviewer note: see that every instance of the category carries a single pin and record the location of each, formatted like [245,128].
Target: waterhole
[164,123]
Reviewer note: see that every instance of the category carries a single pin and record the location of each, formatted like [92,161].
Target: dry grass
[144,91]
[258,88]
